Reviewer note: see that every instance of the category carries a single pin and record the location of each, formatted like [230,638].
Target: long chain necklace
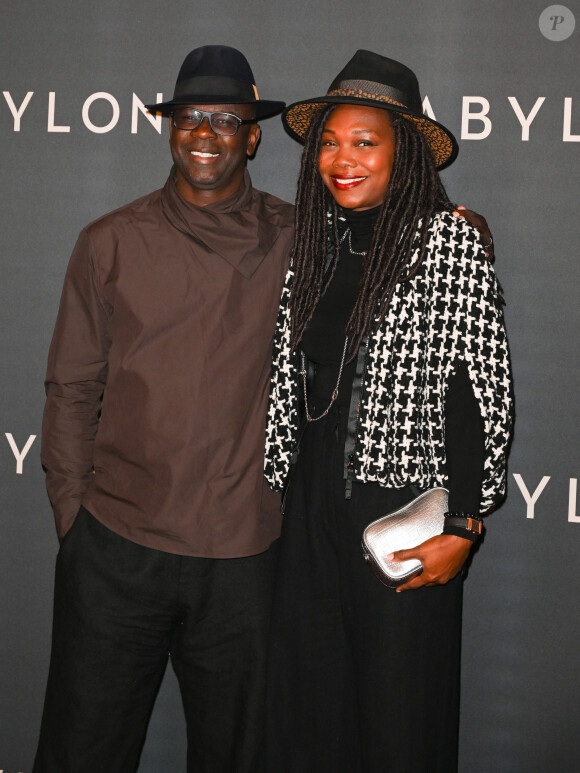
[303,373]
[353,252]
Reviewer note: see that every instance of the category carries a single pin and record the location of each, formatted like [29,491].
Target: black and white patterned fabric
[449,312]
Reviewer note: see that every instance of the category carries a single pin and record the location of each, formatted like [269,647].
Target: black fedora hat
[376,81]
[217,75]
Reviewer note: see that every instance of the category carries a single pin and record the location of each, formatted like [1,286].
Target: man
[153,441]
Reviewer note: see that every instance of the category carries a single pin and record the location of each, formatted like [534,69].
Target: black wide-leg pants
[361,679]
[121,610]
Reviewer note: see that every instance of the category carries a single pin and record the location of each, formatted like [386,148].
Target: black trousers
[361,678]
[120,611]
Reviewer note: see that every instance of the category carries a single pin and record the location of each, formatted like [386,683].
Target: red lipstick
[346,183]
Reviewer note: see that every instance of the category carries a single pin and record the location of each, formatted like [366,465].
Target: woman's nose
[343,158]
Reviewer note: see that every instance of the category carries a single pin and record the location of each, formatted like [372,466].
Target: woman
[392,307]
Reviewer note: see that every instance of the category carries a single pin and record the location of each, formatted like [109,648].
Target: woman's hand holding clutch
[442,557]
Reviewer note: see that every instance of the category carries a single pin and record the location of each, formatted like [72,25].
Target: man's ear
[253,139]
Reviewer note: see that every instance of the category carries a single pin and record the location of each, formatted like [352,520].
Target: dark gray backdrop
[521,622]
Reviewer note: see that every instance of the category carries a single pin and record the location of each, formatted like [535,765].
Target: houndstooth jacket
[449,312]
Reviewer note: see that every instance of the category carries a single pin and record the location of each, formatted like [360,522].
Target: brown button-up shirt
[158,373]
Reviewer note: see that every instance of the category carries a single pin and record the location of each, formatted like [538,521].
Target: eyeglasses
[190,118]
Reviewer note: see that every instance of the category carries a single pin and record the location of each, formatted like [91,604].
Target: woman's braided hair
[414,193]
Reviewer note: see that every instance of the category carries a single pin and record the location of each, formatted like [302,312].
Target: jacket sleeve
[75,380]
[282,419]
[482,344]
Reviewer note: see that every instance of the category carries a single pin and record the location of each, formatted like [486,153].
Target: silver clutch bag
[404,528]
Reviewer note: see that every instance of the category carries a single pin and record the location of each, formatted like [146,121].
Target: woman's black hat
[217,75]
[376,81]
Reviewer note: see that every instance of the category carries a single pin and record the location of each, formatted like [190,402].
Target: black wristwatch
[463,525]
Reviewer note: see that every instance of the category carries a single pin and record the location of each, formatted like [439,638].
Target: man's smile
[202,154]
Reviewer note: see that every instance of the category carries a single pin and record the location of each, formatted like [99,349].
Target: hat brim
[298,116]
[265,108]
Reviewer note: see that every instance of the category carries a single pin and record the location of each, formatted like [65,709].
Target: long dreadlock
[414,193]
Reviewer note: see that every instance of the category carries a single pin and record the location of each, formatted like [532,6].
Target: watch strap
[463,525]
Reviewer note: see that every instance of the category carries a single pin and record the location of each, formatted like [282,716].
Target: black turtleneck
[362,225]
[323,344]
[323,341]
